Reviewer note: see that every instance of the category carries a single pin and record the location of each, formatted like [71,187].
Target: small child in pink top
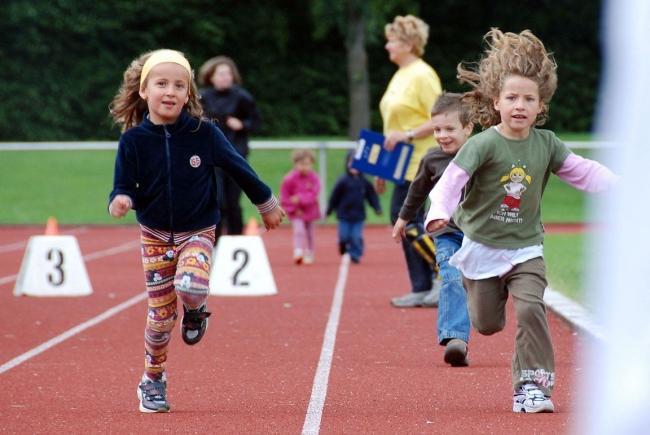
[299,198]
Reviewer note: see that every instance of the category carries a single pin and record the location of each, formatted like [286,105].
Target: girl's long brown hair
[127,108]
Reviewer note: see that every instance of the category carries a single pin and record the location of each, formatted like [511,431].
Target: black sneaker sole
[192,341]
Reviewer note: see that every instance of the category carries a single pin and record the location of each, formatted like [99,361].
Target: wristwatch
[410,135]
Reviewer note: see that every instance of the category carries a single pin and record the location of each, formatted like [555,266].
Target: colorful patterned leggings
[172,269]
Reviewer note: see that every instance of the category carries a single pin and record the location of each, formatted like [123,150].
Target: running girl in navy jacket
[164,170]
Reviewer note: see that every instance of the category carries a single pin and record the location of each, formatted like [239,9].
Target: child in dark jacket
[348,200]
[164,170]
[450,120]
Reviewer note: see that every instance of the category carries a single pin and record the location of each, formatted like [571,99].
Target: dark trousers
[229,194]
[420,271]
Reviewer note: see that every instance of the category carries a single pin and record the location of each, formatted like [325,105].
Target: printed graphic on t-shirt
[514,184]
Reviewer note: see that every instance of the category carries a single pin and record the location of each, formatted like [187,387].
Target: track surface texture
[255,370]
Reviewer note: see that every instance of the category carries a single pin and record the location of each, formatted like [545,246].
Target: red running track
[255,369]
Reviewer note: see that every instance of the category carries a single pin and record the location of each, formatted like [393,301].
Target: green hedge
[63,60]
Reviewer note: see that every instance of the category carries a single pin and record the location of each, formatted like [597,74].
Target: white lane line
[112,251]
[89,257]
[8,279]
[71,332]
[311,425]
[17,246]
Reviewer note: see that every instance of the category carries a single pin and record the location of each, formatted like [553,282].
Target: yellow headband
[163,56]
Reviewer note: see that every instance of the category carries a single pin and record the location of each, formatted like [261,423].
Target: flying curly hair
[507,54]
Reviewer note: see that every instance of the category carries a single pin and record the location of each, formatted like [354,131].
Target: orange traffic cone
[52,227]
[252,228]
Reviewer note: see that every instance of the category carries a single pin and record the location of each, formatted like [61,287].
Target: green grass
[74,187]
[565,263]
[71,185]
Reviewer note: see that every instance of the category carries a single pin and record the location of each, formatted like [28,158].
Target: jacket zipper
[169,186]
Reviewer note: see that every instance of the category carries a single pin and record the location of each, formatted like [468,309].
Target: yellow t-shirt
[407,104]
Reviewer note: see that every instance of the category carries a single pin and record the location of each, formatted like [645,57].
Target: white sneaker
[433,296]
[529,398]
[409,300]
[308,258]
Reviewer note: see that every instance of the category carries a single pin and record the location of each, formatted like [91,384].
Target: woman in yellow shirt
[405,111]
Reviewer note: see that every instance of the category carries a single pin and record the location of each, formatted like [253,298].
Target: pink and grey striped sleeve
[267,206]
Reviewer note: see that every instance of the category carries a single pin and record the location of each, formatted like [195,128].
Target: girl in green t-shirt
[506,168]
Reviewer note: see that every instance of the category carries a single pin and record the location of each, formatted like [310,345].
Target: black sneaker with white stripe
[194,325]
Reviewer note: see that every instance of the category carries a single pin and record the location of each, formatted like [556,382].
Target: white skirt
[478,261]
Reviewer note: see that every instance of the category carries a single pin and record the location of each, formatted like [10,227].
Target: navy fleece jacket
[349,195]
[167,170]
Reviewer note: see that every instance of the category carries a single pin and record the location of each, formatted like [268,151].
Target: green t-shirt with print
[502,205]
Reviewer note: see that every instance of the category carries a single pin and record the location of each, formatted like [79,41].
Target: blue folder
[372,158]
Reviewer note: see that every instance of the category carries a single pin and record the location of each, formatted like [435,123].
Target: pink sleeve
[445,195]
[587,175]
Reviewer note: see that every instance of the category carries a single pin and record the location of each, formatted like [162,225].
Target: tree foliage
[63,60]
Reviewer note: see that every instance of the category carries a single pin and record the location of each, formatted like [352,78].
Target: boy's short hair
[452,102]
[300,154]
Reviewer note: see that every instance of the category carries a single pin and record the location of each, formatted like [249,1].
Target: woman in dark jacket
[233,109]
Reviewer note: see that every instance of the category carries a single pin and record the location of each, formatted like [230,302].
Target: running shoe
[529,398]
[194,325]
[456,353]
[152,395]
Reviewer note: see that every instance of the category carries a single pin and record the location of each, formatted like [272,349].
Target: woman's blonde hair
[409,29]
[507,54]
[207,70]
[127,108]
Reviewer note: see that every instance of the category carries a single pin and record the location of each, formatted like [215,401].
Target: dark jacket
[432,166]
[168,171]
[349,195]
[235,102]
